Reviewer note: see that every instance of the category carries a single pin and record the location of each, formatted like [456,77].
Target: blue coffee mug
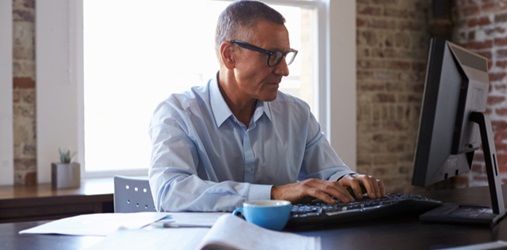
[270,214]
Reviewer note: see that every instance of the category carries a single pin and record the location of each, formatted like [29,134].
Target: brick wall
[392,47]
[392,39]
[481,26]
[24,92]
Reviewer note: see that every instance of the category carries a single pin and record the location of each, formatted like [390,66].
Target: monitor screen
[453,125]
[456,85]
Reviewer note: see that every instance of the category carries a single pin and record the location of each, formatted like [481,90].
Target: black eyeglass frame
[269,53]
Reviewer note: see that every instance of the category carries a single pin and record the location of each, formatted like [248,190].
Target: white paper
[130,231]
[96,224]
[194,219]
[153,238]
[106,223]
[231,232]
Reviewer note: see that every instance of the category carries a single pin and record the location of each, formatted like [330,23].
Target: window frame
[59,60]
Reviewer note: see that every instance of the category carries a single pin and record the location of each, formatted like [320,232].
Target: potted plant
[66,173]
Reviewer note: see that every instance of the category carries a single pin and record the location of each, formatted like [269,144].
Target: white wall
[57,93]
[58,113]
[6,119]
[341,100]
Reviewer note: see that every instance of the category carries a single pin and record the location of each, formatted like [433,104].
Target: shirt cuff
[259,192]
[338,176]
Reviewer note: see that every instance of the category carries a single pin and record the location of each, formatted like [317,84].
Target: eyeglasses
[274,56]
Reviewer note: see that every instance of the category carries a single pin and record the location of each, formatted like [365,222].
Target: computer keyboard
[319,213]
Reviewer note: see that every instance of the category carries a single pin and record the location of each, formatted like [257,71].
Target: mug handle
[238,212]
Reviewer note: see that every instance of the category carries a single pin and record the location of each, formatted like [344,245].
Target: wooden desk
[41,202]
[388,233]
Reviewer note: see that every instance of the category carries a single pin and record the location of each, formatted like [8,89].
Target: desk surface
[400,233]
[89,187]
[41,202]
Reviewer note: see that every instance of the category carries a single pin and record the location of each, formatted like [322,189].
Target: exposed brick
[402,40]
[360,22]
[367,37]
[499,125]
[29,4]
[373,10]
[481,27]
[501,64]
[467,35]
[502,158]
[470,11]
[500,136]
[23,4]
[23,83]
[24,92]
[391,65]
[488,30]
[369,64]
[375,23]
[500,29]
[31,179]
[500,88]
[379,2]
[498,76]
[479,21]
[478,45]
[369,86]
[492,100]
[409,25]
[398,65]
[501,18]
[418,66]
[23,16]
[396,12]
[501,53]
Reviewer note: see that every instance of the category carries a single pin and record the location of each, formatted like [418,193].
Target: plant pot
[65,175]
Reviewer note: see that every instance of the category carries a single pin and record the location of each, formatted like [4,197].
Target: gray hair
[238,16]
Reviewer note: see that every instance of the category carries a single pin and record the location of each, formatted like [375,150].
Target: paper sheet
[153,239]
[134,231]
[194,219]
[228,232]
[106,223]
[231,232]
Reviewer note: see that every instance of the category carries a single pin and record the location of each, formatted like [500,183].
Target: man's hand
[360,184]
[307,190]
[329,191]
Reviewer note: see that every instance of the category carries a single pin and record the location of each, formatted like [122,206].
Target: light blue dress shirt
[204,159]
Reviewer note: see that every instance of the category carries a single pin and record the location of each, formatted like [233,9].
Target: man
[238,138]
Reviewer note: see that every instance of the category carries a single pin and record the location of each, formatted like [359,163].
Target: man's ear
[227,54]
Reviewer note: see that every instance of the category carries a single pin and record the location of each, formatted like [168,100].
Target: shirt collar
[218,105]
[222,112]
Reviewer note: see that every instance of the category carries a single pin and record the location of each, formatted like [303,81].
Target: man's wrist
[349,174]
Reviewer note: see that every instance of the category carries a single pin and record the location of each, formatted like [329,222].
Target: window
[150,49]
[59,61]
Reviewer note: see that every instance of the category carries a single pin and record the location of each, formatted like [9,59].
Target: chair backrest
[132,194]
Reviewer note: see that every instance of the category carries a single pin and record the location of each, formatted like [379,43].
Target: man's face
[254,78]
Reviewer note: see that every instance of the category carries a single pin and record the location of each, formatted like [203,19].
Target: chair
[132,194]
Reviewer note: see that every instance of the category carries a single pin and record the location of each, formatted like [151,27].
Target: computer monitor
[453,125]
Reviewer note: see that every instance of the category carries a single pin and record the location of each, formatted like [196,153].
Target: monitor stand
[456,213]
